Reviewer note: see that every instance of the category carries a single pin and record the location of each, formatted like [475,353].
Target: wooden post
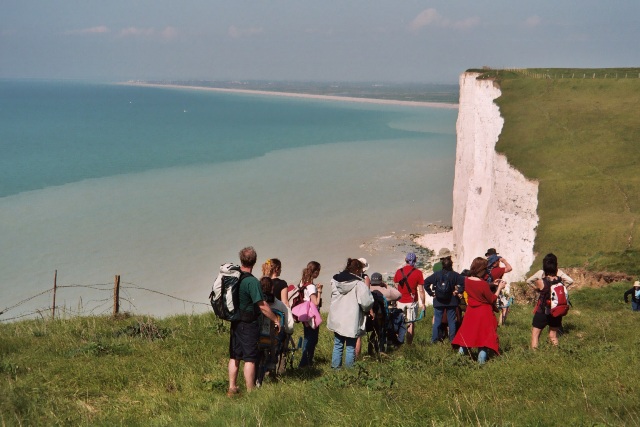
[55,287]
[116,295]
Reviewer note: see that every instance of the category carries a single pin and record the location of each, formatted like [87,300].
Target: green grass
[580,138]
[577,137]
[173,371]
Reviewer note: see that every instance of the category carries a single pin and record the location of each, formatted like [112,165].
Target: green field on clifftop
[138,371]
[577,132]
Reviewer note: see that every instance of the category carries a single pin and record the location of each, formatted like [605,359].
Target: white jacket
[350,300]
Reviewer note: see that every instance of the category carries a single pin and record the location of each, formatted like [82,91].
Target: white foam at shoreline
[436,241]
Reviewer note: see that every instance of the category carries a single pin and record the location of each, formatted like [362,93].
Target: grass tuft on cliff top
[577,132]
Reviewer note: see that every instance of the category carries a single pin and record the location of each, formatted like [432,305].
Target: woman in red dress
[479,326]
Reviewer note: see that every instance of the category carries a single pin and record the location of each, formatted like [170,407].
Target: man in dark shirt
[243,341]
[448,302]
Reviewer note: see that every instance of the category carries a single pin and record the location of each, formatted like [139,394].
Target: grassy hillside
[579,136]
[161,372]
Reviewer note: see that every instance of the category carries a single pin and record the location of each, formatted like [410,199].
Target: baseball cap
[376,279]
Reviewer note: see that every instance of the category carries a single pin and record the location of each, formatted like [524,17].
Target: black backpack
[444,288]
[379,308]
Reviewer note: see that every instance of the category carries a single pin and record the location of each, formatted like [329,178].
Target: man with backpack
[497,267]
[409,281]
[245,331]
[444,286]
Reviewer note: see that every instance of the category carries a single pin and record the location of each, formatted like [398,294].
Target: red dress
[479,325]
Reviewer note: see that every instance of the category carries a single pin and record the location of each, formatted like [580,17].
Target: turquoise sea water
[162,185]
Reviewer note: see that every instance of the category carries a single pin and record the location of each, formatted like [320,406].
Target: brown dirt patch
[522,293]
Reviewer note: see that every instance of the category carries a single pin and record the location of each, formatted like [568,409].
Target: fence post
[55,287]
[116,295]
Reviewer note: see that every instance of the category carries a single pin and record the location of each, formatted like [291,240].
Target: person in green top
[442,254]
[243,339]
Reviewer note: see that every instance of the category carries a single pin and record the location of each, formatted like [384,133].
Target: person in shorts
[245,332]
[410,282]
[541,317]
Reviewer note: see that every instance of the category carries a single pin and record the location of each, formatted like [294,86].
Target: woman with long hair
[272,268]
[479,327]
[313,293]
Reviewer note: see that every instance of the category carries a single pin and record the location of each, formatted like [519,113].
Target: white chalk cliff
[494,205]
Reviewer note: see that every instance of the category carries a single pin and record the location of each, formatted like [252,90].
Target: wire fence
[103,298]
[575,74]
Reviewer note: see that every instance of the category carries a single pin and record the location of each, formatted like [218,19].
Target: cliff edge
[494,205]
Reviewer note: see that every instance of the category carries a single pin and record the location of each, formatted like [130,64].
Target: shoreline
[300,95]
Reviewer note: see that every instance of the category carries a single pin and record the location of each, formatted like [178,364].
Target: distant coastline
[300,95]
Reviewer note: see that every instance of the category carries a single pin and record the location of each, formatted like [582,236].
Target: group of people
[477,290]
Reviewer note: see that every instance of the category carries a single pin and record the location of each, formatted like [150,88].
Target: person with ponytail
[479,326]
[272,269]
[312,293]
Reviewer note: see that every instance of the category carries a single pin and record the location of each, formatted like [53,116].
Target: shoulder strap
[243,275]
[406,277]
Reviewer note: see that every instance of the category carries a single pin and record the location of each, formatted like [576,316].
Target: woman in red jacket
[479,326]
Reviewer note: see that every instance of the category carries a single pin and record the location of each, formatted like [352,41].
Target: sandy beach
[302,95]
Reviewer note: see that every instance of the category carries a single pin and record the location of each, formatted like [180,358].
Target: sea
[161,186]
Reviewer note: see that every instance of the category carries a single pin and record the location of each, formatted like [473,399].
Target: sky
[307,40]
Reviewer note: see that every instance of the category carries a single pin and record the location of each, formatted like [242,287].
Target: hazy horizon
[377,41]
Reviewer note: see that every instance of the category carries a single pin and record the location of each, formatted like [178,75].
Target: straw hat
[636,284]
[443,253]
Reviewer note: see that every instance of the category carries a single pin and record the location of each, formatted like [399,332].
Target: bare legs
[535,336]
[409,337]
[249,371]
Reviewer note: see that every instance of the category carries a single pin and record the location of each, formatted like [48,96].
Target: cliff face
[494,205]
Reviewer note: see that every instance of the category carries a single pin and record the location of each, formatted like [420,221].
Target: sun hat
[410,258]
[364,263]
[491,251]
[376,279]
[492,259]
[444,253]
[636,284]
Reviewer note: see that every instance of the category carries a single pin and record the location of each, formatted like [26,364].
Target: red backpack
[558,302]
